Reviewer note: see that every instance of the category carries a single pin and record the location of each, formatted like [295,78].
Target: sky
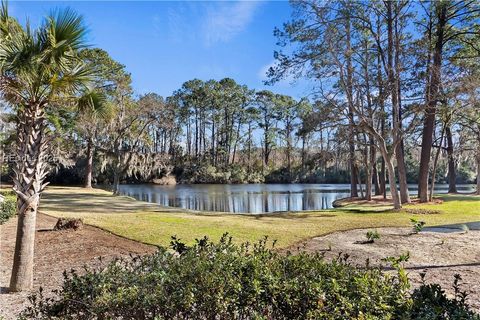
[165,43]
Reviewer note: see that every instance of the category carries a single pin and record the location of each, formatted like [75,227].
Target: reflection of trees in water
[241,202]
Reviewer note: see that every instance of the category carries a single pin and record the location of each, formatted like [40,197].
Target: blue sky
[164,44]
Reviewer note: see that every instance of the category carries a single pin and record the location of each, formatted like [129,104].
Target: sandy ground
[57,251]
[440,254]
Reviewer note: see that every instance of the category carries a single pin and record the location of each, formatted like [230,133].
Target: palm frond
[42,65]
[94,103]
[62,35]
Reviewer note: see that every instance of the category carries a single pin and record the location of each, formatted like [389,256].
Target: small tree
[37,67]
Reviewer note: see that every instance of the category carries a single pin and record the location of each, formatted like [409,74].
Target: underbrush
[227,281]
[8,207]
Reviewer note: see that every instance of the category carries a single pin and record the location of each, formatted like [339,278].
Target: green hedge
[8,207]
[227,281]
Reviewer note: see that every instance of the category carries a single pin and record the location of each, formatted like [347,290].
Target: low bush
[8,207]
[372,235]
[227,281]
[431,302]
[417,225]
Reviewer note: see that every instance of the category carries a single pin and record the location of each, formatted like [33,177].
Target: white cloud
[156,21]
[227,19]
[179,28]
[262,74]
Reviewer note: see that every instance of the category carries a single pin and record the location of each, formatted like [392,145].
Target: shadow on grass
[459,197]
[98,203]
[473,264]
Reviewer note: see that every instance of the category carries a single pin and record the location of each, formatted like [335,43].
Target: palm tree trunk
[89,168]
[30,171]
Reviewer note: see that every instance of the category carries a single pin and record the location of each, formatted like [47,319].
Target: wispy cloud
[207,22]
[156,21]
[263,71]
[179,26]
[224,20]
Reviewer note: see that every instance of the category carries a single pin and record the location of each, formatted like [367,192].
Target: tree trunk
[478,167]
[394,87]
[249,157]
[478,174]
[373,161]
[89,168]
[353,177]
[393,185]
[236,142]
[266,137]
[212,152]
[116,182]
[382,176]
[430,110]
[434,168]
[289,151]
[370,160]
[368,185]
[30,171]
[351,122]
[303,152]
[452,173]
[360,186]
[402,175]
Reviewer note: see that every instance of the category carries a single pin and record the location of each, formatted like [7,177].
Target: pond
[248,198]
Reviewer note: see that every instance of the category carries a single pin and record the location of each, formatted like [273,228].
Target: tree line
[400,75]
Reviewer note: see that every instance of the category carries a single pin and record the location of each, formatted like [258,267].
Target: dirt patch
[56,251]
[422,211]
[440,255]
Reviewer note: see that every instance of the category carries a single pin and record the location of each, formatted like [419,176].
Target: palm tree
[93,108]
[38,68]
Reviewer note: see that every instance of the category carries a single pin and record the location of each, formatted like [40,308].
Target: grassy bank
[155,225]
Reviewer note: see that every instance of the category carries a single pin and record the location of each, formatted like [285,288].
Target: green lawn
[155,225]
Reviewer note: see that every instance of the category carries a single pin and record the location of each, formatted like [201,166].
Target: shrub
[417,225]
[8,207]
[372,235]
[431,302]
[227,281]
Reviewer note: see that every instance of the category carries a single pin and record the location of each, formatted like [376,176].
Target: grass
[152,224]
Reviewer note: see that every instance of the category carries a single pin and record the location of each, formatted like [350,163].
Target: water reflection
[247,198]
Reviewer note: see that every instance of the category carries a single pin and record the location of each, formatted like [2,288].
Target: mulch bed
[56,251]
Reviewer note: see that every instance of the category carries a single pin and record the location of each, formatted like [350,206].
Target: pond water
[248,198]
